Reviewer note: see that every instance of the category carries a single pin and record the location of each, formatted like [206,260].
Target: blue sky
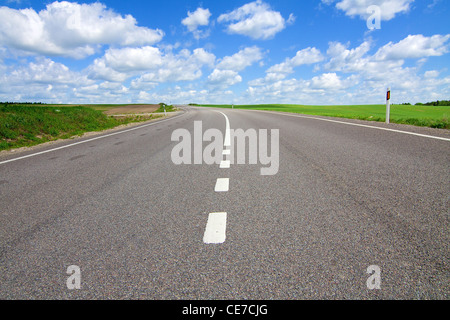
[263,51]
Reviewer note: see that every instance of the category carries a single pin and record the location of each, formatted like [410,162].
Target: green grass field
[428,116]
[28,125]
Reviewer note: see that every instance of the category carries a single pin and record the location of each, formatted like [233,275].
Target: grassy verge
[25,125]
[428,116]
[169,108]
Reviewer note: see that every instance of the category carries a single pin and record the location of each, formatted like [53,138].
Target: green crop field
[428,116]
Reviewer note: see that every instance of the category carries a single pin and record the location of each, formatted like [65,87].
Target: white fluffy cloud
[348,60]
[71,29]
[185,66]
[45,71]
[120,64]
[241,60]
[387,59]
[255,20]
[133,59]
[357,75]
[388,8]
[305,56]
[151,65]
[42,79]
[226,71]
[221,79]
[330,81]
[308,91]
[386,66]
[196,19]
[375,73]
[414,46]
[431,74]
[279,71]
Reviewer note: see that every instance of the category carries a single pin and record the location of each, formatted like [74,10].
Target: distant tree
[435,103]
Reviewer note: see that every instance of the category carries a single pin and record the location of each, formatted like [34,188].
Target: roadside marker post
[388,104]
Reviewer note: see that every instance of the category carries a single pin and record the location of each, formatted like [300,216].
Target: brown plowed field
[147,108]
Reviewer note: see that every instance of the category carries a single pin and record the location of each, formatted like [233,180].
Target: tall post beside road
[388,104]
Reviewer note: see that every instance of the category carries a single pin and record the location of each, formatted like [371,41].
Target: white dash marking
[215,228]
[226,152]
[222,185]
[225,164]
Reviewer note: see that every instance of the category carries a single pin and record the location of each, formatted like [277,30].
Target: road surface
[345,197]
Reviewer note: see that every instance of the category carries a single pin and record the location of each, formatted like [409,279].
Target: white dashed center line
[215,228]
[222,185]
[217,221]
[225,164]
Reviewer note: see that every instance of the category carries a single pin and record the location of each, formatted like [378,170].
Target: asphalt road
[345,197]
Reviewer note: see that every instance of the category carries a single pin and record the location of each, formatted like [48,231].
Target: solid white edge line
[222,185]
[89,140]
[215,231]
[355,124]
